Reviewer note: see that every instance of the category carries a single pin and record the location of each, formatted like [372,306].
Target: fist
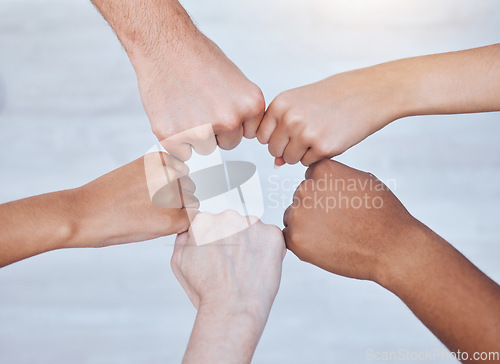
[346,222]
[324,119]
[241,271]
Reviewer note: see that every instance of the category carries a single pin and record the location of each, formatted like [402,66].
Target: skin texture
[184,79]
[382,242]
[113,209]
[324,119]
[232,283]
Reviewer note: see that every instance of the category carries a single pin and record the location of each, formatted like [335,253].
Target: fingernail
[276,166]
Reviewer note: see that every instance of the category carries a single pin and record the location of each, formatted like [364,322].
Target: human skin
[232,283]
[113,209]
[184,79]
[385,244]
[324,119]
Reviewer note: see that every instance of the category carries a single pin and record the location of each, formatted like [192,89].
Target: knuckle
[230,214]
[255,104]
[160,132]
[227,120]
[296,244]
[324,149]
[320,167]
[336,149]
[309,135]
[292,119]
[280,103]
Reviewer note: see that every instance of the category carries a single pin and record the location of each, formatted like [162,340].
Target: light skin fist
[242,269]
[198,85]
[324,119]
[358,222]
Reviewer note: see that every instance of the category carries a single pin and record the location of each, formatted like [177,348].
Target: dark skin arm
[380,241]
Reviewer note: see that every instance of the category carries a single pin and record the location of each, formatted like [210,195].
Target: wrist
[253,313]
[69,225]
[223,334]
[81,219]
[244,324]
[401,93]
[418,250]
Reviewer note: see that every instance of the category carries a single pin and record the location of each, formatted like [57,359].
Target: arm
[326,118]
[223,335]
[232,282]
[184,79]
[382,242]
[114,209]
[453,298]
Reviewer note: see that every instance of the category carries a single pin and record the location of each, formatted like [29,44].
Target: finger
[160,170]
[286,235]
[278,162]
[228,140]
[190,201]
[187,184]
[180,243]
[179,221]
[191,212]
[173,164]
[202,139]
[310,171]
[311,157]
[251,126]
[266,127]
[286,216]
[179,150]
[278,142]
[294,151]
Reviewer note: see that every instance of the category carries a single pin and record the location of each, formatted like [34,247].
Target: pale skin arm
[113,209]
[232,282]
[324,119]
[387,245]
[184,79]
[221,336]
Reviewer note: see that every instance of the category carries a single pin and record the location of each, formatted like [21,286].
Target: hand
[358,226]
[231,282]
[241,271]
[324,119]
[135,202]
[142,200]
[196,85]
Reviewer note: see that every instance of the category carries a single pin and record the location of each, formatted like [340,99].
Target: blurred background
[70,112]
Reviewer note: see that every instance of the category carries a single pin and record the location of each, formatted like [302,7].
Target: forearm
[37,224]
[148,28]
[223,336]
[454,299]
[449,83]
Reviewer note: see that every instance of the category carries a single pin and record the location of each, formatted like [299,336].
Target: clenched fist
[346,222]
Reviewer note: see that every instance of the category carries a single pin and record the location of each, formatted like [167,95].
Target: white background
[73,113]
